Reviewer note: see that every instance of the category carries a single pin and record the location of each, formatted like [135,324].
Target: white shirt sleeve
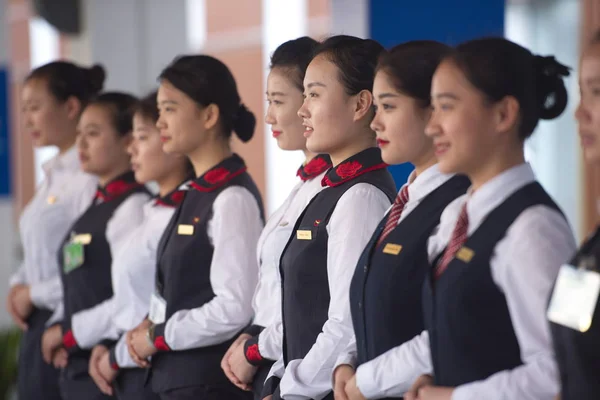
[393,373]
[92,325]
[526,277]
[19,277]
[234,230]
[58,314]
[351,226]
[47,293]
[270,341]
[349,355]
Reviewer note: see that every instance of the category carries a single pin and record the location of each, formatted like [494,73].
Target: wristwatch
[150,335]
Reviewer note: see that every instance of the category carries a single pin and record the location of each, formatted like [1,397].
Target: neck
[366,141]
[104,179]
[206,157]
[66,146]
[308,155]
[427,162]
[495,166]
[170,182]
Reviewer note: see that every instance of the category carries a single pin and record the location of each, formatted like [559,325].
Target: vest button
[360,304]
[365,268]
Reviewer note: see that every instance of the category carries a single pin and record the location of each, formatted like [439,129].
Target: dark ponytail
[121,106]
[499,68]
[207,80]
[65,79]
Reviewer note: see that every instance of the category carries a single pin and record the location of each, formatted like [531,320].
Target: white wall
[551,27]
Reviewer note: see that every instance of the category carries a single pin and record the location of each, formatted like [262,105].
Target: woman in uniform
[133,267]
[207,271]
[98,234]
[385,294]
[53,97]
[319,259]
[498,248]
[251,356]
[573,312]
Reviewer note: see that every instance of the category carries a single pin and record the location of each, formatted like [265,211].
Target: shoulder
[234,199]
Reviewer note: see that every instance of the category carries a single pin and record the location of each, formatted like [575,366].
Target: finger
[47,353]
[340,392]
[102,384]
[230,375]
[15,316]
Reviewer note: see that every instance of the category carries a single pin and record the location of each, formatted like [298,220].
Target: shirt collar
[173,198]
[315,167]
[419,186]
[366,161]
[121,185]
[220,174]
[68,160]
[494,192]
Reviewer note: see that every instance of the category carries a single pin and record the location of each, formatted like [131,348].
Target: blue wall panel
[5,177]
[450,21]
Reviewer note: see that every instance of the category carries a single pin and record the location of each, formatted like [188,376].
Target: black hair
[499,68]
[207,80]
[411,66]
[148,108]
[355,58]
[65,80]
[295,55]
[595,38]
[121,106]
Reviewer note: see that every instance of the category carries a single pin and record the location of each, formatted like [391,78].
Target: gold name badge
[51,199]
[185,230]
[393,249]
[303,235]
[465,254]
[82,238]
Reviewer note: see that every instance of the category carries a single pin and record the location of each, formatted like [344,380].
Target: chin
[592,157]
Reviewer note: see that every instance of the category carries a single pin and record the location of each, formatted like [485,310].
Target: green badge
[73,256]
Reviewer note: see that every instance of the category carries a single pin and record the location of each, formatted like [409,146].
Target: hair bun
[551,90]
[96,76]
[244,123]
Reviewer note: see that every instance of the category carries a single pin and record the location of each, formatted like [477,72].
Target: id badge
[158,309]
[73,256]
[574,298]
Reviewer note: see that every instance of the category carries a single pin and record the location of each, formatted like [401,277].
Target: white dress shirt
[350,227]
[524,265]
[64,194]
[125,219]
[272,241]
[133,274]
[419,187]
[233,230]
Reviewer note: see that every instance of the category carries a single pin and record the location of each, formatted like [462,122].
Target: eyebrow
[386,95]
[275,94]
[167,102]
[313,84]
[593,80]
[446,95]
[92,126]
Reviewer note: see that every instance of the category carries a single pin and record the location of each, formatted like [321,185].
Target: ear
[73,107]
[210,116]
[363,105]
[506,114]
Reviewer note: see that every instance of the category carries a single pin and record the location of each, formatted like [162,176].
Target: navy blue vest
[578,354]
[470,331]
[385,294]
[183,276]
[303,266]
[90,284]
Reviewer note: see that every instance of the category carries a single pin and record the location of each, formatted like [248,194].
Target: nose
[80,141]
[131,148]
[161,124]
[581,113]
[376,124]
[269,117]
[433,127]
[303,111]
